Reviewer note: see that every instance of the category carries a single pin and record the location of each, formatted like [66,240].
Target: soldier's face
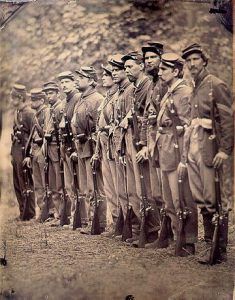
[52,96]
[107,80]
[118,75]
[82,82]
[16,100]
[133,70]
[166,74]
[151,61]
[67,85]
[35,104]
[195,64]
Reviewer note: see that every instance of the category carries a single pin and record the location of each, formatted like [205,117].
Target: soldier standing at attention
[125,89]
[23,117]
[169,142]
[52,119]
[34,155]
[103,151]
[85,121]
[134,68]
[209,142]
[68,85]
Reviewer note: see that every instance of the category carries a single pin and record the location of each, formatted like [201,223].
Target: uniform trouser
[69,183]
[134,184]
[38,163]
[109,177]
[201,179]
[55,186]
[86,176]
[18,182]
[172,204]
[121,185]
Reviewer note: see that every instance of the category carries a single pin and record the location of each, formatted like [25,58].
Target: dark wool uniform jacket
[23,121]
[165,141]
[211,99]
[86,119]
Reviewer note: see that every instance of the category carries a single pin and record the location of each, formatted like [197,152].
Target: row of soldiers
[141,159]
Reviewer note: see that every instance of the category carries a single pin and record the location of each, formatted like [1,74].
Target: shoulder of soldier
[183,89]
[28,111]
[217,81]
[98,96]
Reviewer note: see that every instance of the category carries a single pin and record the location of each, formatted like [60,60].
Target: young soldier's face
[118,75]
[82,82]
[166,74]
[133,70]
[151,61]
[16,100]
[67,85]
[195,64]
[52,96]
[35,104]
[107,80]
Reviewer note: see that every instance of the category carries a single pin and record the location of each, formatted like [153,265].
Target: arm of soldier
[223,100]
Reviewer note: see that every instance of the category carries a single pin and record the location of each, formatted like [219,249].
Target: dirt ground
[55,263]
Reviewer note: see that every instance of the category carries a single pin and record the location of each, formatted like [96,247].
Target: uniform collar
[124,85]
[88,92]
[175,85]
[201,76]
[70,95]
[142,82]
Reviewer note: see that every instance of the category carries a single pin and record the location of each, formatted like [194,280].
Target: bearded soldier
[52,119]
[209,143]
[103,149]
[84,121]
[169,141]
[23,117]
[34,155]
[134,69]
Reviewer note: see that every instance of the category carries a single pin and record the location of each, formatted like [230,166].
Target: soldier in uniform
[52,119]
[34,155]
[85,120]
[21,129]
[103,150]
[169,141]
[209,142]
[134,68]
[125,89]
[68,85]
[152,57]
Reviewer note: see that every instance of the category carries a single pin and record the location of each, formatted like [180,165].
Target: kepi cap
[88,72]
[193,48]
[107,69]
[50,85]
[152,46]
[18,89]
[116,61]
[172,60]
[134,55]
[37,94]
[66,74]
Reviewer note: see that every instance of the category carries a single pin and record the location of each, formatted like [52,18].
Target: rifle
[64,220]
[95,227]
[183,210]
[127,227]
[27,195]
[215,254]
[146,208]
[77,221]
[47,196]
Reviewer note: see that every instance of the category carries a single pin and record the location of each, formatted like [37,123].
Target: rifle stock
[47,195]
[95,226]
[77,221]
[165,232]
[27,195]
[120,223]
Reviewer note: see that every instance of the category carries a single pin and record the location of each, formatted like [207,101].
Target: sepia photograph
[116,139]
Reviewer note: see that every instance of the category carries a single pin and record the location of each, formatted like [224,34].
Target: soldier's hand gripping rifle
[64,220]
[183,210]
[47,195]
[146,209]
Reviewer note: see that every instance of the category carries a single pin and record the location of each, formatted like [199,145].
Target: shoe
[85,230]
[153,245]
[132,239]
[118,237]
[189,249]
[135,244]
[54,223]
[205,259]
[108,233]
